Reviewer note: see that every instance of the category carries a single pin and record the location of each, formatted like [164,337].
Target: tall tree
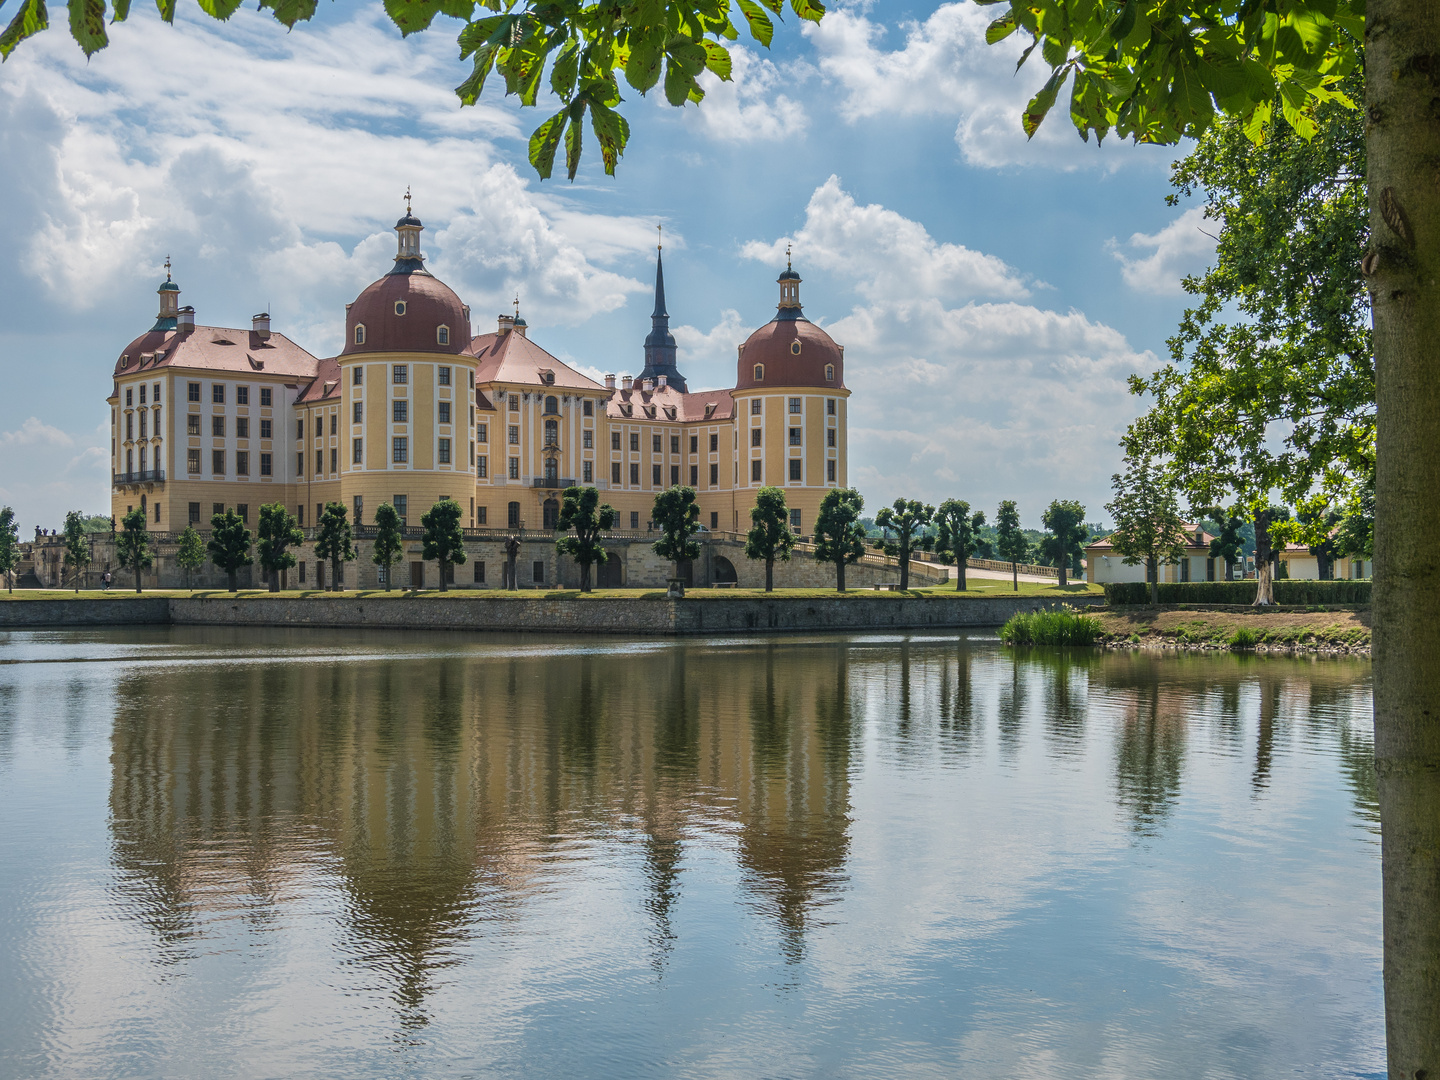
[77,545]
[1011,543]
[229,545]
[908,517]
[678,517]
[278,532]
[385,549]
[582,511]
[9,546]
[1065,519]
[959,536]
[1148,527]
[442,539]
[190,552]
[839,536]
[335,540]
[769,537]
[132,546]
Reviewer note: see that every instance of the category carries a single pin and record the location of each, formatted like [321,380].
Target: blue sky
[992,294]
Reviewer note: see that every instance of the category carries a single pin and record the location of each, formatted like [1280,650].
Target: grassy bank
[1347,630]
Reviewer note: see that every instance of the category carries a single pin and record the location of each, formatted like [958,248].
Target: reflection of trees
[958,712]
[1067,682]
[1151,751]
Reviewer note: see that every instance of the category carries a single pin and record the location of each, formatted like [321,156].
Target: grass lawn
[1321,627]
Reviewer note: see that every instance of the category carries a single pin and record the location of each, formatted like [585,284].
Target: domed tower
[660,356]
[790,407]
[395,413]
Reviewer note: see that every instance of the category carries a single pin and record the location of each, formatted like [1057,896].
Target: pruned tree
[9,546]
[582,511]
[335,540]
[441,538]
[1228,544]
[959,536]
[1148,526]
[385,549]
[1011,544]
[770,537]
[229,545]
[77,545]
[678,518]
[278,533]
[839,536]
[908,517]
[132,546]
[1065,520]
[190,552]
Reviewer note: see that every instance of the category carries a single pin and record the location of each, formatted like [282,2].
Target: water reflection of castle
[437,791]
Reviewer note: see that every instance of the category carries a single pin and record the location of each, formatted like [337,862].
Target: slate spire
[660,344]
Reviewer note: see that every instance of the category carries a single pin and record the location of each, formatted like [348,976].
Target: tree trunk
[1264,582]
[770,574]
[584,577]
[840,575]
[388,568]
[443,565]
[137,577]
[230,575]
[1015,575]
[1060,563]
[1152,575]
[335,585]
[1402,40]
[274,580]
[904,567]
[960,561]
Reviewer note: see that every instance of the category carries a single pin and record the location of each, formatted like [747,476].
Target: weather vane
[407,199]
[517,305]
[659,237]
[787,256]
[167,267]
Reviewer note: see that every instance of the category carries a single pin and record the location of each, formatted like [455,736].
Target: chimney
[187,319]
[626,382]
[609,382]
[649,385]
[260,324]
[507,323]
[664,381]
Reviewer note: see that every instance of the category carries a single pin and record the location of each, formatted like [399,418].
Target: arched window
[552,405]
[552,432]
[359,333]
[829,372]
[794,348]
[399,307]
[442,335]
[759,372]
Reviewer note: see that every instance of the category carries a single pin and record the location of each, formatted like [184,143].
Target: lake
[302,853]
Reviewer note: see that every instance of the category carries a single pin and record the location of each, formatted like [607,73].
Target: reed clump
[1051,628]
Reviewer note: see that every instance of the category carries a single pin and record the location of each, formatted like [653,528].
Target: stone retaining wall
[116,611]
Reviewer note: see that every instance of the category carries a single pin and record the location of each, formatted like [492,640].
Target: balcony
[552,482]
[149,476]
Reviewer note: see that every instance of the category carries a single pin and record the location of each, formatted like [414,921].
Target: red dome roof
[428,305]
[774,346]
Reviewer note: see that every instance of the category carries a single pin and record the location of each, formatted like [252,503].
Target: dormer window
[399,307]
[759,372]
[442,335]
[794,348]
[359,333]
[829,372]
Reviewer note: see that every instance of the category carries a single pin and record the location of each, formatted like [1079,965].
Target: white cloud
[34,432]
[945,68]
[49,472]
[748,107]
[713,348]
[1183,247]
[889,256]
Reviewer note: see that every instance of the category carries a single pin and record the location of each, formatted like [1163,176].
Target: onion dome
[169,293]
[407,310]
[790,350]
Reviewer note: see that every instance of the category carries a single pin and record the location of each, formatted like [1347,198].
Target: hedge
[1287,591]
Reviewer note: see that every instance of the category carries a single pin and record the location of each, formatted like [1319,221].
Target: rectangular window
[334,422]
[794,436]
[794,468]
[830,406]
[357,451]
[674,444]
[129,425]
[634,519]
[694,444]
[265,397]
[445,411]
[614,440]
[217,462]
[217,508]
[615,472]
[714,519]
[192,462]
[400,412]
[143,388]
[795,520]
[242,427]
[192,424]
[300,463]
[794,405]
[514,468]
[194,516]
[242,463]
[755,436]
[243,511]
[714,475]
[755,406]
[266,465]
[479,573]
[401,504]
[217,393]
[400,374]
[635,474]
[694,475]
[587,439]
[588,408]
[444,376]
[357,375]
[300,520]
[156,397]
[193,392]
[482,466]
[587,472]
[217,426]
[482,433]
[242,395]
[513,514]
[674,475]
[334,459]
[399,449]
[537,571]
[830,471]
[357,413]
[265,429]
[482,513]
[755,471]
[714,443]
[319,462]
[358,509]
[634,442]
[514,435]
[143,418]
[300,566]
[514,403]
[655,475]
[655,444]
[444,451]
[830,436]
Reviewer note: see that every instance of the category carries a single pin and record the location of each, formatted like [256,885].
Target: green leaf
[573,136]
[1000,29]
[689,56]
[1040,104]
[565,70]
[469,91]
[121,9]
[642,70]
[216,9]
[761,28]
[166,9]
[287,12]
[612,132]
[545,141]
[717,59]
[87,25]
[808,9]
[1120,29]
[28,21]
[678,83]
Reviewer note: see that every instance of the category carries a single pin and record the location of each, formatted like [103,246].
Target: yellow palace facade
[416,408]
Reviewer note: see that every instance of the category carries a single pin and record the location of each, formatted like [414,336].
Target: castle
[416,407]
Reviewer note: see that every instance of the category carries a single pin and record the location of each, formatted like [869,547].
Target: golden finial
[787,256]
[407,200]
[517,305]
[659,237]
[167,267]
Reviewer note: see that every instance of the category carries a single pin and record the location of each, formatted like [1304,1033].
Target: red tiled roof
[326,384]
[513,358]
[216,348]
[1190,529]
